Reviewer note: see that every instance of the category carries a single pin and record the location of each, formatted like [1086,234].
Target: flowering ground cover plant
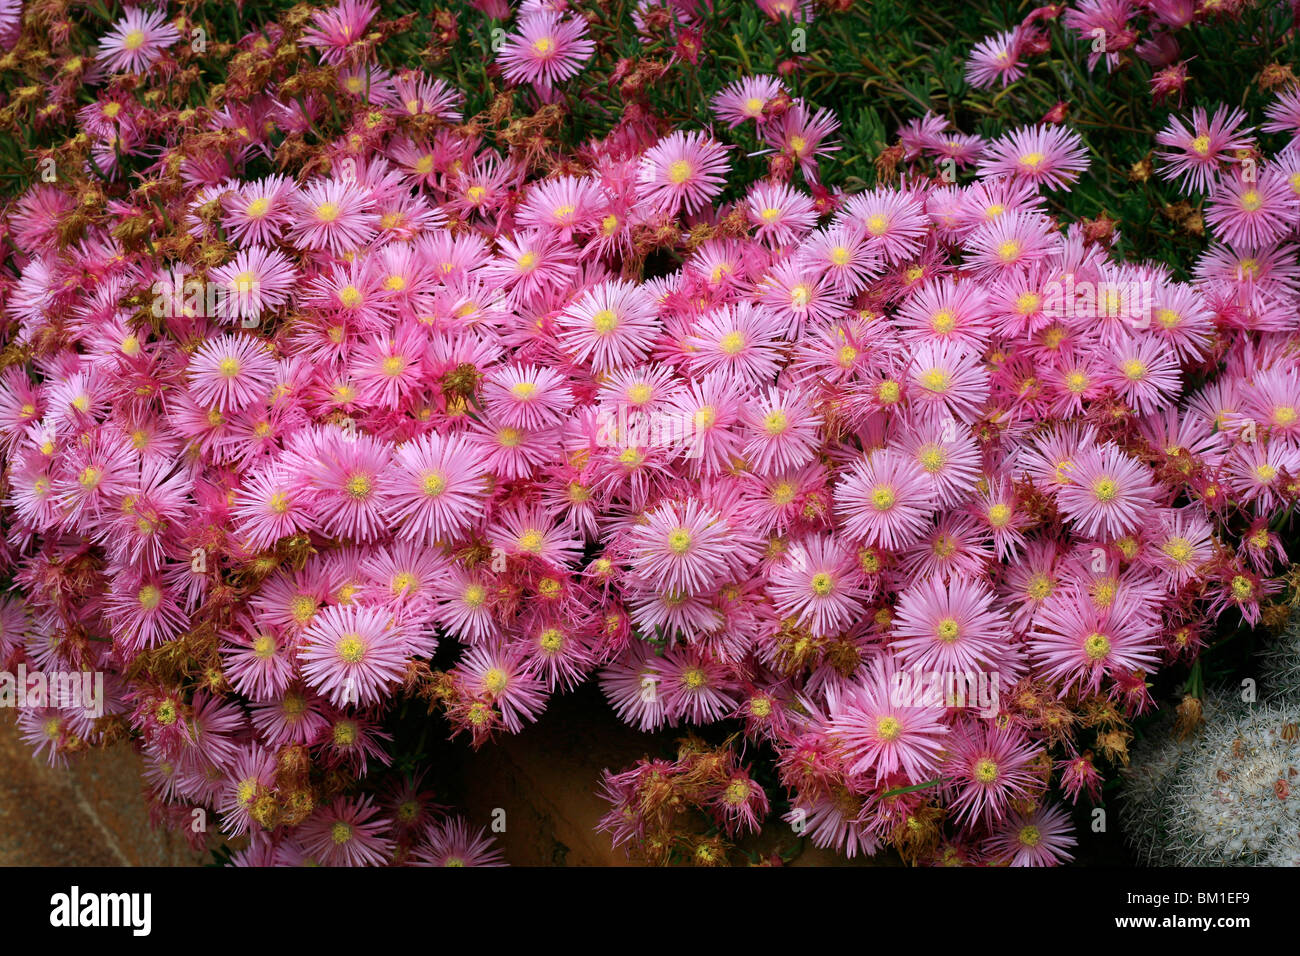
[367,368]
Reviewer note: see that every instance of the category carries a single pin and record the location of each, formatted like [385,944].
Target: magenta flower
[137,41]
[547,49]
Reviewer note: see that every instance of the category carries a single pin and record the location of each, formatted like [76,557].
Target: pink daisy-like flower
[1011,243]
[988,767]
[782,431]
[1283,114]
[681,547]
[1196,150]
[500,675]
[346,471]
[1108,494]
[137,41]
[780,214]
[1044,155]
[259,663]
[683,171]
[349,832]
[526,396]
[351,654]
[944,310]
[1076,643]
[1040,838]
[333,214]
[893,222]
[547,49]
[1183,545]
[950,380]
[611,324]
[452,842]
[1254,211]
[818,584]
[880,730]
[885,500]
[271,505]
[1144,374]
[801,134]
[435,488]
[952,627]
[746,99]
[995,58]
[696,687]
[741,338]
[334,30]
[842,254]
[255,280]
[231,372]
[532,532]
[257,212]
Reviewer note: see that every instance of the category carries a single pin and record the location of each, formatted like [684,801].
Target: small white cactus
[1230,794]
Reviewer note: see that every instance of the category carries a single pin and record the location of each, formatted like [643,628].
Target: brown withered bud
[1100,230]
[888,161]
[1276,76]
[1189,718]
[1114,745]
[1140,172]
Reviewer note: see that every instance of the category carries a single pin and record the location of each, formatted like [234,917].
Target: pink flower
[1040,838]
[994,58]
[818,584]
[547,49]
[885,499]
[1044,155]
[349,832]
[137,41]
[683,171]
[352,654]
[1108,494]
[880,731]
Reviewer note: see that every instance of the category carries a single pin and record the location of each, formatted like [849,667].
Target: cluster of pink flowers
[846,444]
[1104,31]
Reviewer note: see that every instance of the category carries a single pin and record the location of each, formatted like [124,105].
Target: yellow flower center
[150,597]
[1178,549]
[1096,646]
[936,380]
[732,343]
[359,486]
[1039,587]
[351,649]
[1105,489]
